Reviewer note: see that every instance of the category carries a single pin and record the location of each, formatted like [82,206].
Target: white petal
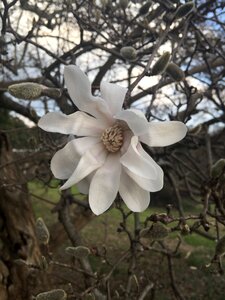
[65,160]
[91,160]
[151,185]
[127,135]
[79,88]
[148,184]
[137,163]
[78,123]
[132,194]
[135,119]
[105,184]
[160,134]
[114,95]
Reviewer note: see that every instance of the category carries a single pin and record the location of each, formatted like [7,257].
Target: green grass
[113,217]
[40,197]
[44,198]
[197,240]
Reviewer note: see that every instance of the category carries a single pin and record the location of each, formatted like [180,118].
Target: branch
[213,63]
[146,290]
[172,278]
[75,238]
[25,111]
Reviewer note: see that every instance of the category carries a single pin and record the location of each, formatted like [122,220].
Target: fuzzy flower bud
[56,294]
[78,252]
[20,262]
[185,229]
[161,64]
[129,53]
[218,168]
[43,264]
[184,10]
[156,232]
[175,72]
[26,90]
[42,231]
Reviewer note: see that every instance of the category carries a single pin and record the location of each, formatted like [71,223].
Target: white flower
[108,157]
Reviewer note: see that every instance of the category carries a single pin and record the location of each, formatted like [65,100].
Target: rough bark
[17,230]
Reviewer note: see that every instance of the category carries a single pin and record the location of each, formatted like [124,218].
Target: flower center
[112,138]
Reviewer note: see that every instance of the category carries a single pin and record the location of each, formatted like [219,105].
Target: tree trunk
[17,230]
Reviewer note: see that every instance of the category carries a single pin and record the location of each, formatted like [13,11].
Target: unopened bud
[78,252]
[145,8]
[184,10]
[42,231]
[163,218]
[218,168]
[43,263]
[26,90]
[20,262]
[185,229]
[51,92]
[161,64]
[57,294]
[124,3]
[129,53]
[220,247]
[97,15]
[175,72]
[156,232]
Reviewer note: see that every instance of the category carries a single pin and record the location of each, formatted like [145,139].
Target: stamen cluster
[112,138]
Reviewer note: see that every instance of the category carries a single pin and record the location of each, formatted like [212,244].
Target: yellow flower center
[112,138]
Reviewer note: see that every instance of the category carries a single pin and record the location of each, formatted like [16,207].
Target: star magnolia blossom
[106,157]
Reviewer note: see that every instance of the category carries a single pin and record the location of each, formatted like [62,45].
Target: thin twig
[146,290]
